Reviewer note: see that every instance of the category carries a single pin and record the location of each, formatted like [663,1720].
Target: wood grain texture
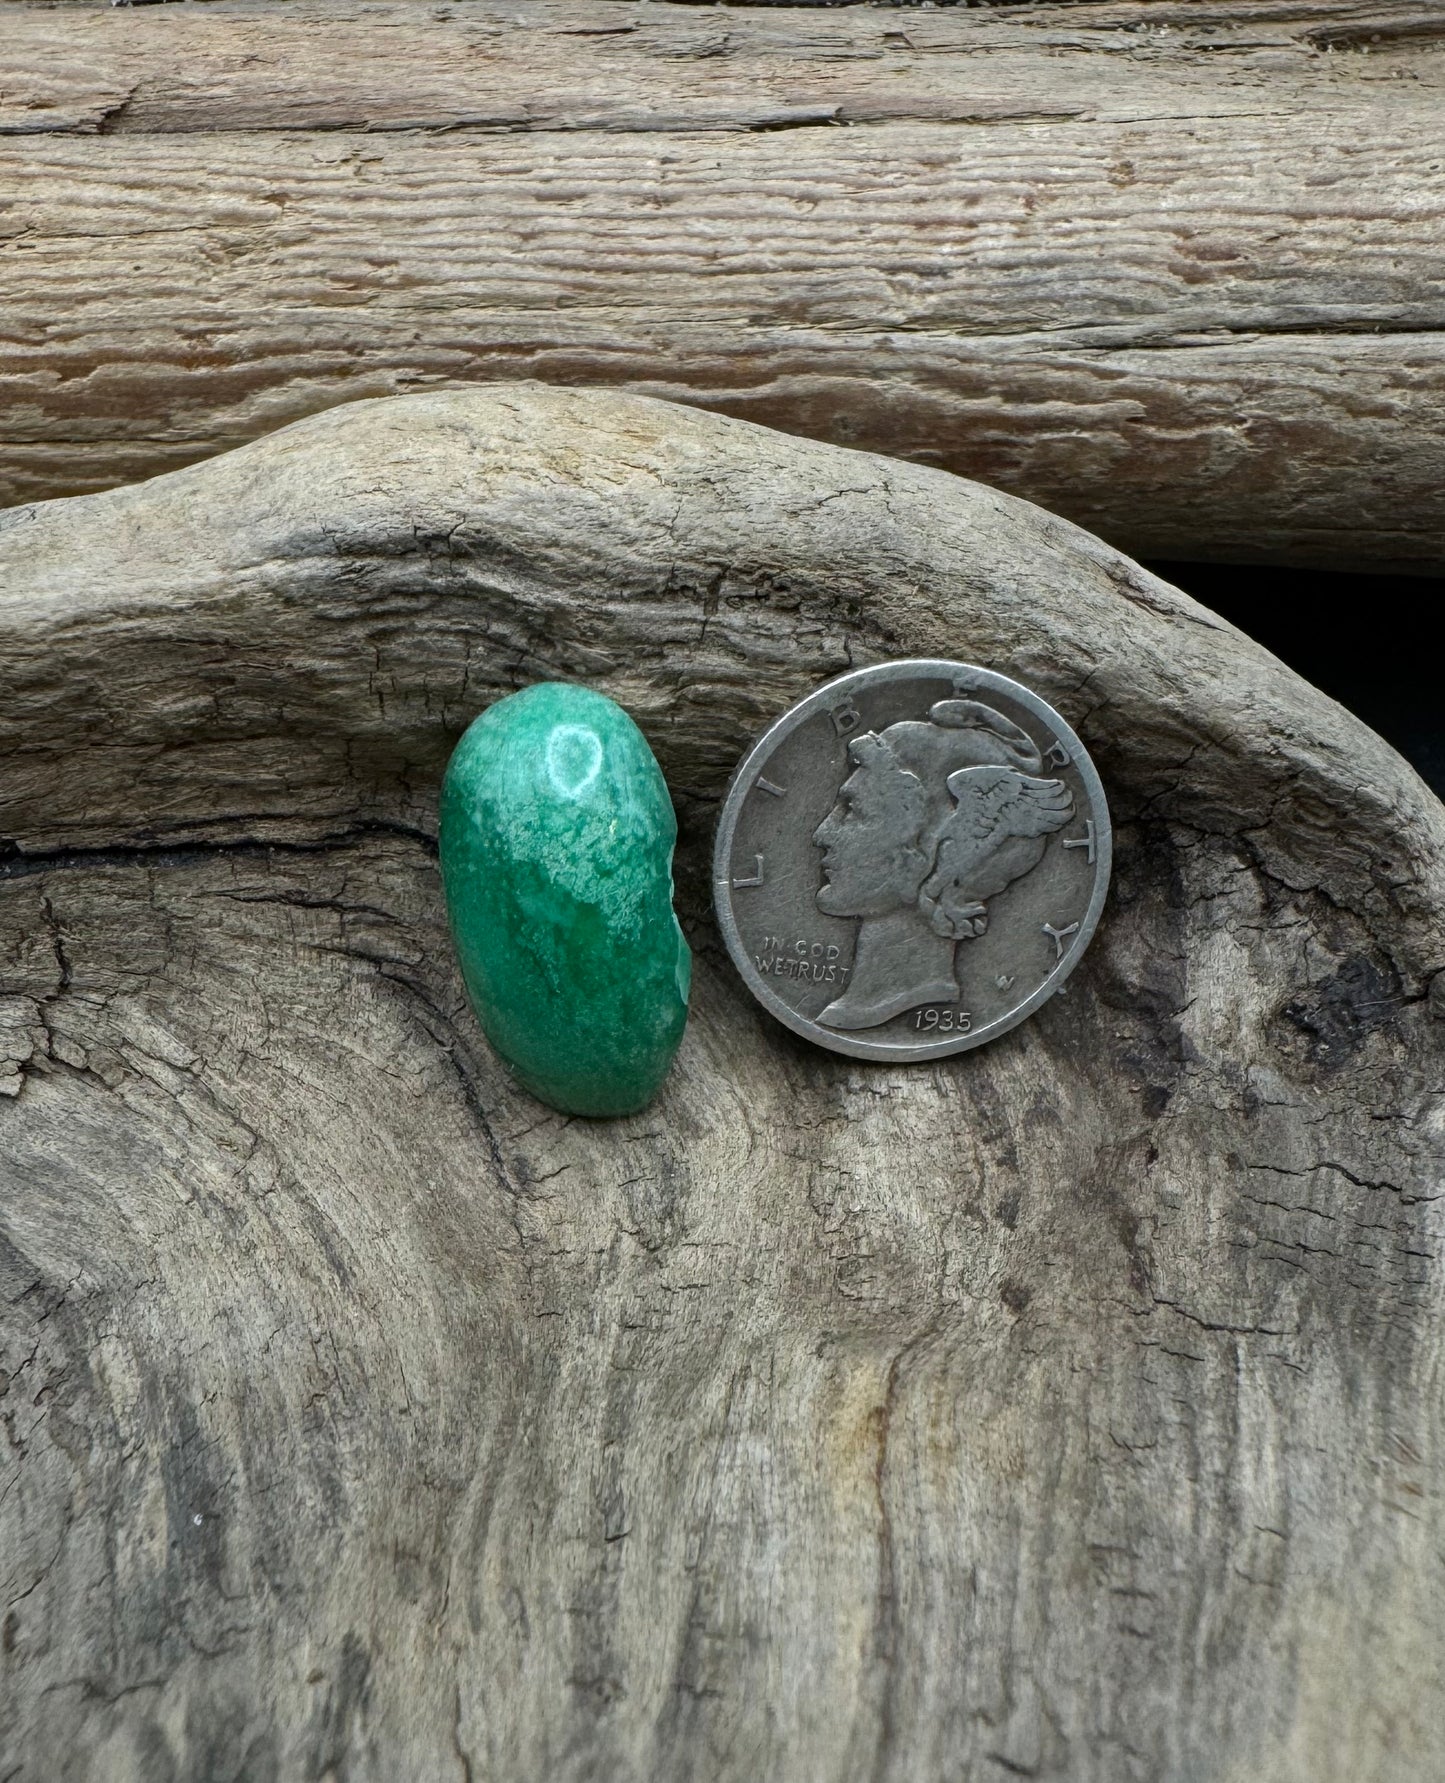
[1068,1409]
[1173,270]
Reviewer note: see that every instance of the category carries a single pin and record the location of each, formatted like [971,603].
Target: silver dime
[911,860]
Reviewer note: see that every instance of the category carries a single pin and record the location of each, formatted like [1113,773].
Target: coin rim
[752,762]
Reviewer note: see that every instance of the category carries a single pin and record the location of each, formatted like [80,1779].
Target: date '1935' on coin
[911,860]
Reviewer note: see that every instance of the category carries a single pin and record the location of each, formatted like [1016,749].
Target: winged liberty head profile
[935,817]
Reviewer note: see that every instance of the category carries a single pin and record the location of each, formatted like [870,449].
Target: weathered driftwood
[1173,270]
[1068,1409]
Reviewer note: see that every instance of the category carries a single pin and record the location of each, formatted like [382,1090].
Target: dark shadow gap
[1363,639]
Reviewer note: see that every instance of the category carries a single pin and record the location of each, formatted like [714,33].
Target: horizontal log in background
[1174,270]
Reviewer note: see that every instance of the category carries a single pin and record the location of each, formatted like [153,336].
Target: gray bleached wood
[1067,1409]
[1171,269]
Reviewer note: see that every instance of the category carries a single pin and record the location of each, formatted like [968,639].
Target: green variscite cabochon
[556,853]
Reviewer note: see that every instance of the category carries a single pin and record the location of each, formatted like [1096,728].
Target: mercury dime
[911,860]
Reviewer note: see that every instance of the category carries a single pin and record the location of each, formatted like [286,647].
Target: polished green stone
[556,853]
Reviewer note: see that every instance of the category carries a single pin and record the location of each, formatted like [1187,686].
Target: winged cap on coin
[935,818]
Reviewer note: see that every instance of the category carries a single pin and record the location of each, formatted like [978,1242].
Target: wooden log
[1066,1409]
[1172,269]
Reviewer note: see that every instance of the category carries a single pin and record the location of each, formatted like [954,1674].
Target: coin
[911,860]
